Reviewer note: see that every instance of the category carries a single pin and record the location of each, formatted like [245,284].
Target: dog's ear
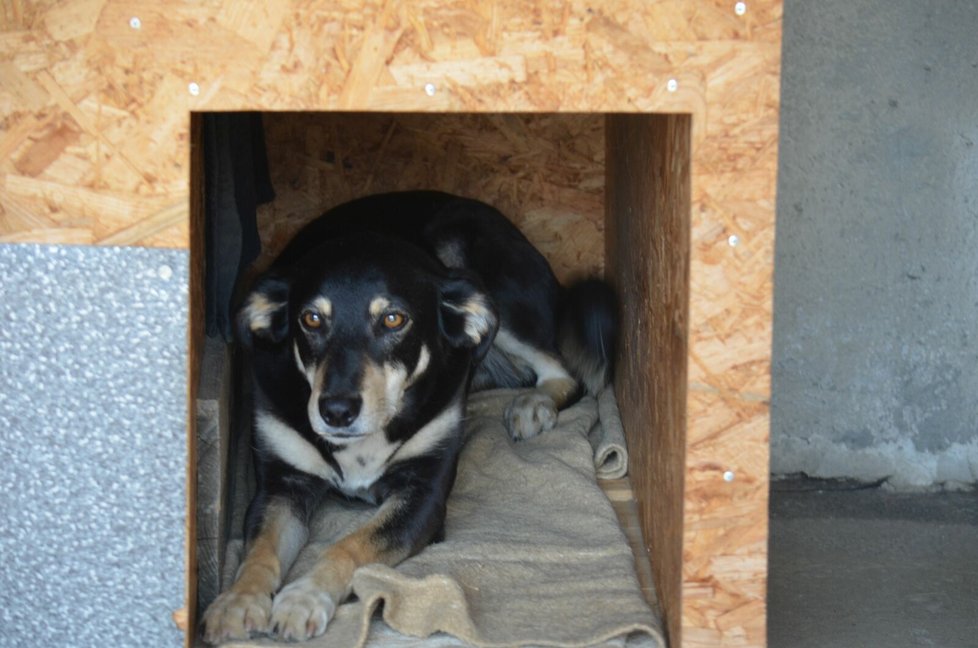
[264,315]
[467,318]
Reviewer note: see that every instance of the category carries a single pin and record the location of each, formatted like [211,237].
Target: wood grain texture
[195,354]
[648,252]
[94,110]
[545,172]
[94,149]
[692,378]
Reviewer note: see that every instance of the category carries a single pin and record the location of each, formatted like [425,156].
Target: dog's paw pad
[529,415]
[236,616]
[301,611]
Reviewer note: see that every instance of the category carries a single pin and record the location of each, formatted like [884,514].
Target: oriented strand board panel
[706,525]
[544,171]
[95,103]
[95,94]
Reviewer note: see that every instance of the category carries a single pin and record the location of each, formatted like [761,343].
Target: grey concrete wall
[875,362]
[93,439]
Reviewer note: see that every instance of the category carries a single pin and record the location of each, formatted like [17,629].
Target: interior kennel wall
[545,171]
[95,104]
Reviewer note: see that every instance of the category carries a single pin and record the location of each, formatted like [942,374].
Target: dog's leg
[247,606]
[304,607]
[535,412]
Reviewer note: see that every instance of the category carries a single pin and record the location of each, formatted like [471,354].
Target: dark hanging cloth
[236,182]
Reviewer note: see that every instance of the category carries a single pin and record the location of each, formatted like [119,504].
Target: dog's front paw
[529,415]
[301,611]
[235,616]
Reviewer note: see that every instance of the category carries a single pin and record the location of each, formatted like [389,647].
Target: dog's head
[367,321]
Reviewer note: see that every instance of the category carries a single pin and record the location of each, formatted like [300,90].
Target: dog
[363,339]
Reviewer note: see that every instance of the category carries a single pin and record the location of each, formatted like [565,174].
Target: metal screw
[135,22]
[728,476]
[429,89]
[672,85]
[733,240]
[740,8]
[194,89]
[165,272]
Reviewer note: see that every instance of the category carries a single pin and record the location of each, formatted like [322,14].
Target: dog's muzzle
[340,411]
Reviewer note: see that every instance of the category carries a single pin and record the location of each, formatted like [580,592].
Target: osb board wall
[95,97]
[706,525]
[544,171]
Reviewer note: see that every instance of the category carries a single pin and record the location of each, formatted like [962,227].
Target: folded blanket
[533,554]
[607,438]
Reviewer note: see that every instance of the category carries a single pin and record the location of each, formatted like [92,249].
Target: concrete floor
[854,567]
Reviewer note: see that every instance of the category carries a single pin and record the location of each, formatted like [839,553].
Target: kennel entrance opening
[597,193]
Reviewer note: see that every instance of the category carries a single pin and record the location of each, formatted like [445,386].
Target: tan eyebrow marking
[378,305]
[324,306]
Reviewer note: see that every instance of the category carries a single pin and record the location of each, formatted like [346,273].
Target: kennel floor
[619,492]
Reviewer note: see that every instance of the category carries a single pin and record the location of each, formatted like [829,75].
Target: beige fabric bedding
[533,554]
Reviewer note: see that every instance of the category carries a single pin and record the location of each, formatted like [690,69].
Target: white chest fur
[362,462]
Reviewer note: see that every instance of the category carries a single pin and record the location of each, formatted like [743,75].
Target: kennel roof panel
[94,94]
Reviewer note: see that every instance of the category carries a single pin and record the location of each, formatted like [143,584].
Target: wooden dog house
[634,137]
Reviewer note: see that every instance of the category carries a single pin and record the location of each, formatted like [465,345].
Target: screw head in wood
[193,89]
[135,22]
[733,240]
[740,8]
[728,476]
[429,89]
[672,85]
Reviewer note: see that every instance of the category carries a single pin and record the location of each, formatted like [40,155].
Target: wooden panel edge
[648,201]
[195,340]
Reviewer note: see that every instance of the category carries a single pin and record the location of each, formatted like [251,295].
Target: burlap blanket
[533,554]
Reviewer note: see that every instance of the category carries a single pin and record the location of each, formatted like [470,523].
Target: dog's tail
[587,332]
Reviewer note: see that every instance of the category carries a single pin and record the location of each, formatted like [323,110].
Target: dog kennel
[637,139]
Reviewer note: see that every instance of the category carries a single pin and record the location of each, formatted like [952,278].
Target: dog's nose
[340,411]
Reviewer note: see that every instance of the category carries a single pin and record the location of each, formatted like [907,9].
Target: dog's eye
[311,319]
[394,321]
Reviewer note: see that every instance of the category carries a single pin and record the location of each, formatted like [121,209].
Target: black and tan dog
[363,340]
